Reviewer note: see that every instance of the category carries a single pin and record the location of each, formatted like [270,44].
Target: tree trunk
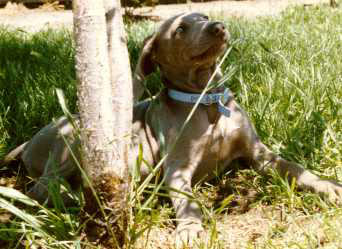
[121,78]
[333,3]
[105,105]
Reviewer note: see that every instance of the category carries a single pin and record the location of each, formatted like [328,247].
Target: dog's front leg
[188,212]
[265,161]
[53,173]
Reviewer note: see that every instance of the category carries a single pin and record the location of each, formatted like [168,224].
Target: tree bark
[121,78]
[333,3]
[105,105]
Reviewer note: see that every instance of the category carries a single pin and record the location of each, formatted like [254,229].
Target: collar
[211,98]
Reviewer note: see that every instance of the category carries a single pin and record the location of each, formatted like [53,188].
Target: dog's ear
[145,66]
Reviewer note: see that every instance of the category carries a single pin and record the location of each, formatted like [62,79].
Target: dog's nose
[217,28]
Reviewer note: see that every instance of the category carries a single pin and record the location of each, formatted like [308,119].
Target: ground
[18,16]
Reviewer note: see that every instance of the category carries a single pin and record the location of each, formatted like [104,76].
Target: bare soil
[32,20]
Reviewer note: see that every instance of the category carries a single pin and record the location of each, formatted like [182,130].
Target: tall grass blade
[29,219]
[18,196]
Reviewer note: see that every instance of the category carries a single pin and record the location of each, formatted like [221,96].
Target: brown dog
[185,48]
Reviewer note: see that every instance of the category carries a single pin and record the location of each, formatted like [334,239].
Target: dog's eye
[180,29]
[206,17]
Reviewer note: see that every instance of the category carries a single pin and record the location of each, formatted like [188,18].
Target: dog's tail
[13,154]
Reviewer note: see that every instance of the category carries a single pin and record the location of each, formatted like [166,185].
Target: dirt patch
[261,227]
[247,9]
[17,16]
[32,20]
[252,226]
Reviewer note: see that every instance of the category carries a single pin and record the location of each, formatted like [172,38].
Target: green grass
[288,75]
[31,67]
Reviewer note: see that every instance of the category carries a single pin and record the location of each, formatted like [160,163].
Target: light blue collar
[211,98]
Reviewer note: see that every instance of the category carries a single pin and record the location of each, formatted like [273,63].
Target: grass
[287,77]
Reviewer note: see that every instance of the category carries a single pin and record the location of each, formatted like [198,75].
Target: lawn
[287,74]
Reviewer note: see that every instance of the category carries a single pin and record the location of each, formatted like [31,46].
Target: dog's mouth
[210,53]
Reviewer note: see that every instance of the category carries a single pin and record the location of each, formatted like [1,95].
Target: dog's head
[185,48]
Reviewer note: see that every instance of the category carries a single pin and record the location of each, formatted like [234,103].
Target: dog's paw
[329,189]
[188,234]
[38,192]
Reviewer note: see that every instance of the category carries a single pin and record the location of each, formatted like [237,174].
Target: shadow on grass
[31,67]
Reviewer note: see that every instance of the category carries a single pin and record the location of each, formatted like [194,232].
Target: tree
[105,103]
[333,3]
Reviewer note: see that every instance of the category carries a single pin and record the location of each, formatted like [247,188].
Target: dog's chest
[219,139]
[210,151]
[201,141]
[215,149]
[201,145]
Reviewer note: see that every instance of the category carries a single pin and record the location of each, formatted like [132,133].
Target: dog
[185,48]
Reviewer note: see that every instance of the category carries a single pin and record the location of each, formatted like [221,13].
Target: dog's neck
[194,81]
[191,81]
